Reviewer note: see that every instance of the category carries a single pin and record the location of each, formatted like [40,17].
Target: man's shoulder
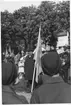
[10,97]
[40,88]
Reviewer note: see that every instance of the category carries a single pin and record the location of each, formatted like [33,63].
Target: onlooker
[9,74]
[29,68]
[53,88]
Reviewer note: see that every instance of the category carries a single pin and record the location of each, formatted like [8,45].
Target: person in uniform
[53,88]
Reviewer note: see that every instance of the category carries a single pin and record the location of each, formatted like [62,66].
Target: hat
[9,73]
[51,63]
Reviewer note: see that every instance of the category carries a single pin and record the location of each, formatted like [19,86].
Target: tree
[23,24]
[63,10]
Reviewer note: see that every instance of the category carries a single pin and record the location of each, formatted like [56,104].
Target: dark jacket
[53,90]
[10,97]
[29,67]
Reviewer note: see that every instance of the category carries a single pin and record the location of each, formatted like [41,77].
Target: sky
[12,5]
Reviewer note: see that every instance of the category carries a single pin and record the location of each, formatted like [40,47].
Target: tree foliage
[23,24]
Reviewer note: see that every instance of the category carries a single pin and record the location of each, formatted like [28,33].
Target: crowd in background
[20,30]
[17,72]
[18,58]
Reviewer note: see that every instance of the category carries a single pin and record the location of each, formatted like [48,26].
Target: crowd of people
[17,72]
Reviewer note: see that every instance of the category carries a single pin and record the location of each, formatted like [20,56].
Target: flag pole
[33,80]
[34,71]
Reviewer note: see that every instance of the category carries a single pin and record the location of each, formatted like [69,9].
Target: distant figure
[9,74]
[21,72]
[29,67]
[21,65]
[66,66]
[53,88]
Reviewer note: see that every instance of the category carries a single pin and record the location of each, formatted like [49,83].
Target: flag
[37,56]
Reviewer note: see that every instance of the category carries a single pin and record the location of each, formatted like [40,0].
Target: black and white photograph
[35,52]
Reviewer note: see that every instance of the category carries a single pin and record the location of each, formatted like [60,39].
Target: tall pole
[36,57]
[33,80]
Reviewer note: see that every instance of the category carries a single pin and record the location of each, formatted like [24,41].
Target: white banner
[62,41]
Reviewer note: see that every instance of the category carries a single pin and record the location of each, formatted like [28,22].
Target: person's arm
[34,98]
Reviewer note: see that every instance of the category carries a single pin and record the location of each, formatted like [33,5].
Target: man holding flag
[53,89]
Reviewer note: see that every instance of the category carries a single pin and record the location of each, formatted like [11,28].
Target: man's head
[9,73]
[51,63]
